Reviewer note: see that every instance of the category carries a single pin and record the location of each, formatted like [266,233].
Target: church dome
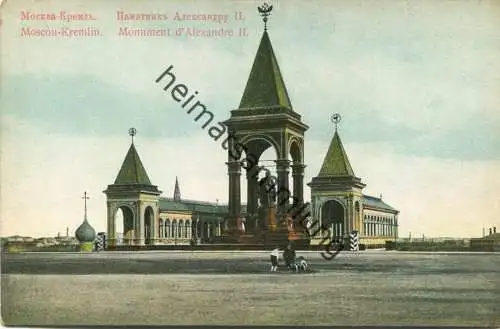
[85,233]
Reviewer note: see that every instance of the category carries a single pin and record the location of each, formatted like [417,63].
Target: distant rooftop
[377,203]
[222,208]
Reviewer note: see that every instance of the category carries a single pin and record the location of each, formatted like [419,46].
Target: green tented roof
[132,170]
[265,86]
[336,162]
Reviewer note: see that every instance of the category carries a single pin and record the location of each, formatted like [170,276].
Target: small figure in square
[289,257]
[275,253]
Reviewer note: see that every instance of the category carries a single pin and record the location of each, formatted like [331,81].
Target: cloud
[85,106]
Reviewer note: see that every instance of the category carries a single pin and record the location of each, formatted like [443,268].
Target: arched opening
[187,231]
[260,157]
[219,227]
[205,232]
[161,232]
[174,229]
[332,217]
[295,152]
[212,231]
[167,228]
[296,178]
[148,225]
[180,231]
[198,229]
[124,226]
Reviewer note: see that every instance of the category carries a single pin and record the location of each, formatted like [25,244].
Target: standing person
[275,253]
[289,256]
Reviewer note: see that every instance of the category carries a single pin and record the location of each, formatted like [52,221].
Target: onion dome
[85,233]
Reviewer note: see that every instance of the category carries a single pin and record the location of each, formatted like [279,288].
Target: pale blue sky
[416,83]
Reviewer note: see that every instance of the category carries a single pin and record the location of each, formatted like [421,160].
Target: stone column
[154,223]
[139,225]
[283,197]
[111,236]
[252,204]
[298,182]
[396,227]
[361,218]
[350,215]
[314,210]
[234,172]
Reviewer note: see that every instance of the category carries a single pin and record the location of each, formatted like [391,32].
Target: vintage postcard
[220,162]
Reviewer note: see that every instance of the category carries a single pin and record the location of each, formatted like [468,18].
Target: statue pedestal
[271,224]
[231,232]
[273,232]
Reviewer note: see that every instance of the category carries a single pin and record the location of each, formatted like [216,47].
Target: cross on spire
[85,197]
[132,132]
[265,11]
[336,119]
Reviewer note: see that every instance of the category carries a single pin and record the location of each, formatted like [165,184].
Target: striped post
[354,237]
[100,241]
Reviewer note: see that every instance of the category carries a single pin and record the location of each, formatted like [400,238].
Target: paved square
[369,288]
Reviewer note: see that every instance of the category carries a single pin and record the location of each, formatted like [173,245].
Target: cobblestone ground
[169,288]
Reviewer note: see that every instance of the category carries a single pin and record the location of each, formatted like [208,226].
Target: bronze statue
[267,191]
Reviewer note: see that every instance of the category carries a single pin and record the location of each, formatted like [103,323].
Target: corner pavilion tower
[338,202]
[336,192]
[133,193]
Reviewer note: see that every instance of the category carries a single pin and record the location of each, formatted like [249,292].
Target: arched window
[174,228]
[167,228]
[204,234]
[187,232]
[181,229]
[160,230]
